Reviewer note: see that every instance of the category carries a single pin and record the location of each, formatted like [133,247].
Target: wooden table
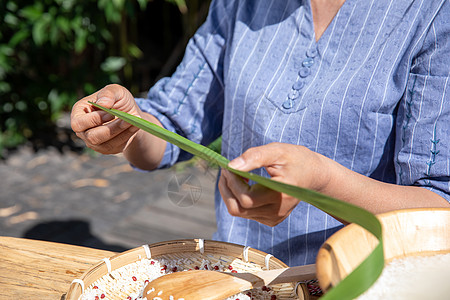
[31,269]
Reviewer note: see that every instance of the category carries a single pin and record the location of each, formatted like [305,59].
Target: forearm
[376,196]
[145,151]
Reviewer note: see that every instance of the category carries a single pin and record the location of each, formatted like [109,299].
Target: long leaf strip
[361,278]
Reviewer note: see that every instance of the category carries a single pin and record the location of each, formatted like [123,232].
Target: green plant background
[53,52]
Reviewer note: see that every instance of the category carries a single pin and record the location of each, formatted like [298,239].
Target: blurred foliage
[53,52]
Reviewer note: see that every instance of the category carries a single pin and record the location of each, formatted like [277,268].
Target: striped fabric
[373,94]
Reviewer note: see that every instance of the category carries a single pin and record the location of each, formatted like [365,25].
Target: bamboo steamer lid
[410,232]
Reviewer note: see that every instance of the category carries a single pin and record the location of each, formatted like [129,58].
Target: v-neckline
[333,20]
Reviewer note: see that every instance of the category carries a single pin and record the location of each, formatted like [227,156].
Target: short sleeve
[423,119]
[190,102]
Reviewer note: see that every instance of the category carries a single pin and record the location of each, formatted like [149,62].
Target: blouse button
[298,85]
[287,104]
[304,72]
[311,52]
[308,62]
[293,94]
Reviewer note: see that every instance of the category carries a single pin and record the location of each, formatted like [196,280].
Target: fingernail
[226,174]
[237,163]
[102,101]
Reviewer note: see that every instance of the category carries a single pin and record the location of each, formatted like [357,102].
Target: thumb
[109,95]
[254,158]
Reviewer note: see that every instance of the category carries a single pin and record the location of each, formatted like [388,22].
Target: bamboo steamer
[410,232]
[244,258]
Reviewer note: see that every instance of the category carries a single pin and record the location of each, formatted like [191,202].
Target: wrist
[145,150]
[324,169]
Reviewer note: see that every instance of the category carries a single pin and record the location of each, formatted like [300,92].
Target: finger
[269,221]
[108,95]
[101,134]
[250,196]
[257,157]
[234,207]
[84,115]
[263,214]
[229,199]
[116,144]
[82,107]
[83,122]
[269,214]
[115,96]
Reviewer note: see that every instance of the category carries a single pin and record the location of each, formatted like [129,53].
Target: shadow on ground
[73,232]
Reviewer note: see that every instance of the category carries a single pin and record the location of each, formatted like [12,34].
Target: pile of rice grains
[129,281]
[413,277]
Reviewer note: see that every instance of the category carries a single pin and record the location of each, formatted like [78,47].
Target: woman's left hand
[291,164]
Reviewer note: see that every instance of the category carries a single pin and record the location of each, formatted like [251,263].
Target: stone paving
[99,201]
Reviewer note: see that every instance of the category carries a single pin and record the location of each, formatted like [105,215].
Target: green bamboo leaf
[216,145]
[356,282]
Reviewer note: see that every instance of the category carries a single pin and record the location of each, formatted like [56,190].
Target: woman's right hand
[100,130]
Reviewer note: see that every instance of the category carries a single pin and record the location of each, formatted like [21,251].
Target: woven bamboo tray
[243,259]
[409,232]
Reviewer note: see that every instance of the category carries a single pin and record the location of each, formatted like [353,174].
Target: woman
[355,94]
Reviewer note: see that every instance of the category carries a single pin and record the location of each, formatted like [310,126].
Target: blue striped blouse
[373,94]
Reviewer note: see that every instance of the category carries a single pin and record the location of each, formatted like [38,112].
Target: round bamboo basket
[410,232]
[243,259]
